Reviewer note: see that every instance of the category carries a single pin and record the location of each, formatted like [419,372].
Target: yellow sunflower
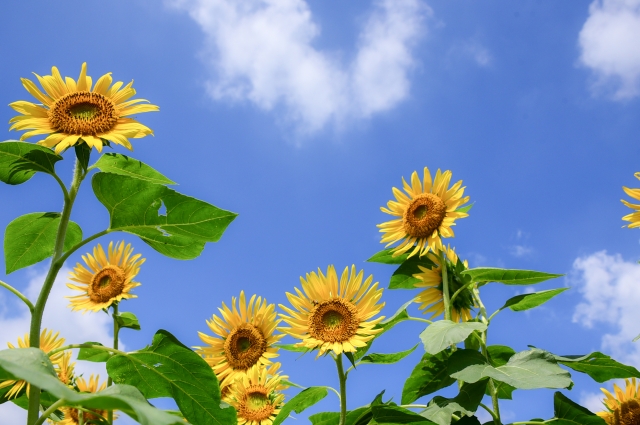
[244,337]
[624,407]
[73,111]
[425,213]
[71,414]
[334,314]
[65,369]
[634,217]
[48,342]
[257,396]
[109,278]
[431,299]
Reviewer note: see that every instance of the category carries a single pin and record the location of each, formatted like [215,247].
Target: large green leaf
[168,368]
[31,238]
[403,278]
[428,376]
[387,358]
[443,333]
[34,366]
[304,399]
[124,165]
[333,418]
[386,257]
[465,403]
[134,206]
[508,277]
[598,366]
[19,161]
[528,301]
[93,354]
[392,415]
[499,355]
[569,413]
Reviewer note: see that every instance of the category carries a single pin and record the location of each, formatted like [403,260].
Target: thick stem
[18,294]
[343,389]
[445,286]
[116,330]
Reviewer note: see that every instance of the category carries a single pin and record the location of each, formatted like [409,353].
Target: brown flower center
[83,113]
[107,284]
[334,320]
[244,346]
[424,215]
[255,404]
[628,413]
[87,415]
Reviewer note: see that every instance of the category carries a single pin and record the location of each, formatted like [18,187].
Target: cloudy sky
[300,115]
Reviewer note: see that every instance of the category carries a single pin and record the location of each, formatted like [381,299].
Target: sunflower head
[107,279]
[431,298]
[244,336]
[634,217]
[425,213]
[71,415]
[623,408]
[334,314]
[66,370]
[76,111]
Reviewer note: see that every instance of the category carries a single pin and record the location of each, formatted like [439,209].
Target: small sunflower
[634,217]
[73,111]
[624,407]
[109,278]
[257,396]
[334,314]
[48,342]
[244,337]
[425,214]
[66,369]
[71,414]
[431,299]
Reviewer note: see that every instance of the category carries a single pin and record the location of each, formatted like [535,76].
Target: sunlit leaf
[125,165]
[19,161]
[128,320]
[443,333]
[386,257]
[387,358]
[528,301]
[304,399]
[428,376]
[508,277]
[569,413]
[598,366]
[93,354]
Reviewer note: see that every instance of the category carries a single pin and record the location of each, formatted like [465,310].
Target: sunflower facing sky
[243,337]
[431,298]
[48,342]
[72,112]
[425,213]
[332,314]
[71,414]
[633,217]
[623,408]
[108,279]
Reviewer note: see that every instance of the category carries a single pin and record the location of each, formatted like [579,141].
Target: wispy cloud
[262,51]
[521,249]
[609,46]
[472,49]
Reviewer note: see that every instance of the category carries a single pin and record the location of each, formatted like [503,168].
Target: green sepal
[94,354]
[528,301]
[127,320]
[303,400]
[19,161]
[508,276]
[126,166]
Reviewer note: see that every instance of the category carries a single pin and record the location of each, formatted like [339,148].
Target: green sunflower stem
[55,406]
[343,389]
[18,294]
[54,268]
[445,286]
[116,331]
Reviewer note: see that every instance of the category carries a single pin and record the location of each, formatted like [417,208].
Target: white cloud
[610,288]
[474,50]
[263,51]
[592,401]
[520,250]
[609,44]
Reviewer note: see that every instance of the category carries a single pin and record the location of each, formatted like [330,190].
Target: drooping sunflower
[71,414]
[624,407]
[334,314]
[425,213]
[257,396]
[73,111]
[633,217]
[431,298]
[108,279]
[48,342]
[243,337]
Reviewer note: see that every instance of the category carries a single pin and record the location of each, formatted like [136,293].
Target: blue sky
[300,115]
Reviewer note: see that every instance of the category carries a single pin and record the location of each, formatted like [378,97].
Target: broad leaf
[528,301]
[508,277]
[134,205]
[333,418]
[128,320]
[428,376]
[465,403]
[443,333]
[306,398]
[168,368]
[93,354]
[392,415]
[31,238]
[569,413]
[387,358]
[403,278]
[599,367]
[124,165]
[499,355]
[19,161]
[386,257]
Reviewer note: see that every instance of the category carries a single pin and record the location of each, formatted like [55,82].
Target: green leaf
[126,166]
[472,342]
[499,355]
[636,338]
[304,399]
[19,161]
[386,257]
[134,206]
[333,418]
[387,358]
[292,347]
[168,368]
[466,403]
[598,366]
[392,415]
[83,153]
[93,354]
[443,333]
[508,277]
[528,301]
[128,320]
[468,420]
[570,413]
[403,278]
[465,209]
[31,238]
[428,376]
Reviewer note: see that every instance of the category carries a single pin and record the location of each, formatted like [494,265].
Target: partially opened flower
[243,337]
[623,408]
[425,213]
[73,112]
[633,217]
[334,314]
[71,415]
[108,278]
[48,342]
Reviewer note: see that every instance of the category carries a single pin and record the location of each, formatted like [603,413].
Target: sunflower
[73,112]
[65,369]
[431,299]
[624,407]
[244,337]
[257,396]
[109,280]
[48,342]
[634,217]
[71,414]
[426,213]
[334,315]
